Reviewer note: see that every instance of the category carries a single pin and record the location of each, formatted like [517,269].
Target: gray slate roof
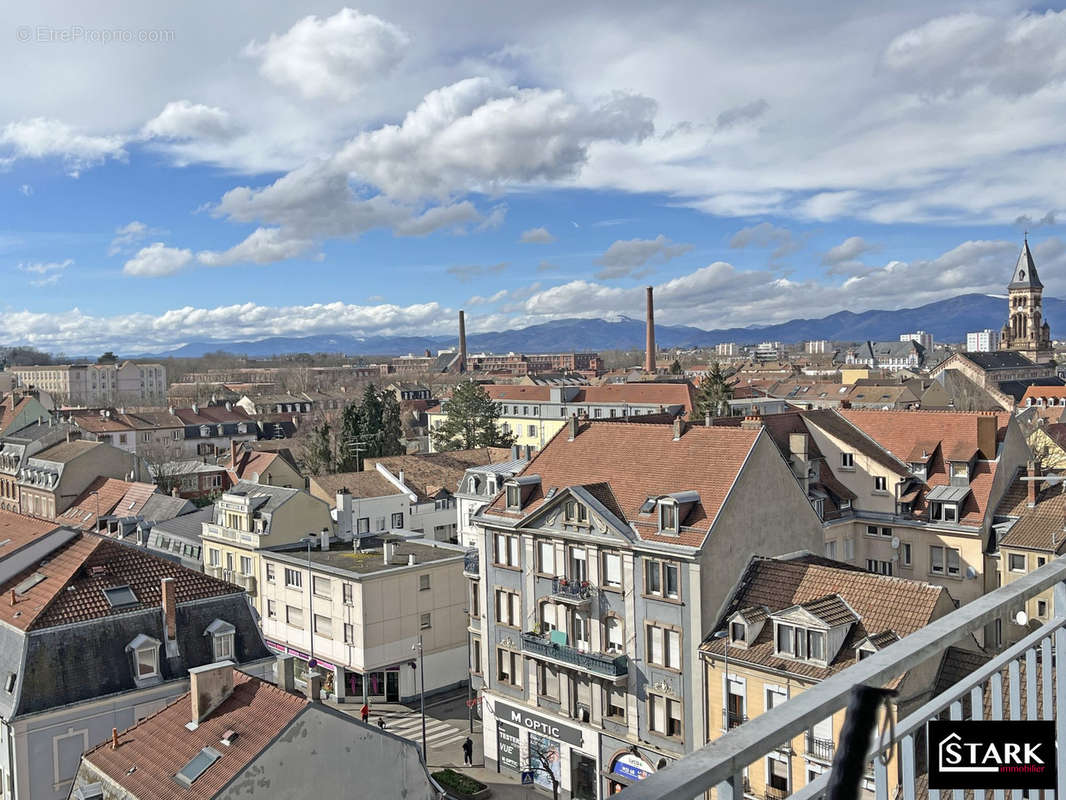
[1024,275]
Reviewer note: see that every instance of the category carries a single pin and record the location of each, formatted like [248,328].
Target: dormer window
[738,632]
[575,512]
[668,516]
[222,634]
[514,498]
[960,469]
[801,643]
[847,460]
[145,652]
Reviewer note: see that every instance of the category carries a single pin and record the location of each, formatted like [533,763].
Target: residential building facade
[986,341]
[98,384]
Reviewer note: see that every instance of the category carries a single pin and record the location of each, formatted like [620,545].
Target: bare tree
[166,473]
[543,760]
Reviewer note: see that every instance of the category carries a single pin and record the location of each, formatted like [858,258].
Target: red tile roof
[160,745]
[123,498]
[636,461]
[1042,527]
[661,394]
[76,574]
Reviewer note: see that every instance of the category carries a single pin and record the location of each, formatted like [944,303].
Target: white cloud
[334,57]
[157,260]
[263,246]
[468,272]
[128,235]
[184,120]
[50,272]
[627,257]
[536,236]
[478,300]
[26,190]
[738,115]
[48,138]
[767,235]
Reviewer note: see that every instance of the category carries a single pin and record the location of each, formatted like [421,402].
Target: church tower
[1026,331]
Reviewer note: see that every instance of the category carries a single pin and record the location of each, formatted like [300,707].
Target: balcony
[601,664]
[572,592]
[471,564]
[731,719]
[1022,682]
[774,793]
[821,749]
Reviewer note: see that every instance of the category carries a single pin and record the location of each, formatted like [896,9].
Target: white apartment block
[725,349]
[986,341]
[127,383]
[921,337]
[818,346]
[768,351]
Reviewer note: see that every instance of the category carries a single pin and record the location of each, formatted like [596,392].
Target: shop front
[382,685]
[625,769]
[300,667]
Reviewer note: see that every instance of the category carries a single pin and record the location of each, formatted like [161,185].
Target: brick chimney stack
[170,607]
[1033,484]
[649,346]
[462,341]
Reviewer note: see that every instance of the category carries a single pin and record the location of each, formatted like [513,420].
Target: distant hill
[948,321]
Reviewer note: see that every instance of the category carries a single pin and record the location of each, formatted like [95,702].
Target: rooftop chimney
[344,514]
[752,422]
[679,428]
[209,686]
[573,428]
[114,738]
[285,673]
[1033,470]
[462,341]
[386,551]
[649,347]
[233,454]
[170,607]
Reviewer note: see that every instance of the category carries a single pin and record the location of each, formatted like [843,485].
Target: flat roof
[341,556]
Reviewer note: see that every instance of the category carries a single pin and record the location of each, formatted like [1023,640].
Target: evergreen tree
[371,427]
[714,393]
[472,421]
[318,451]
[370,422]
[349,440]
[676,368]
[391,426]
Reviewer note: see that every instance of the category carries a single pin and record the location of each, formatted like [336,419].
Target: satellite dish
[895,543]
[1021,618]
[971,572]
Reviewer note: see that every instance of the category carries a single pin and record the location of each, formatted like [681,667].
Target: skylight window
[119,596]
[29,583]
[649,506]
[190,773]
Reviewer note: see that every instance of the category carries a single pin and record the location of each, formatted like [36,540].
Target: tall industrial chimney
[649,347]
[462,341]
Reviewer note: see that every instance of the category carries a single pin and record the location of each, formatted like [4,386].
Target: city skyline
[371,170]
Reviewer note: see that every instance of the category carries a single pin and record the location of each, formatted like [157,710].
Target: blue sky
[308,168]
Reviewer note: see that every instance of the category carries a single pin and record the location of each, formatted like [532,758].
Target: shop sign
[508,746]
[537,724]
[632,767]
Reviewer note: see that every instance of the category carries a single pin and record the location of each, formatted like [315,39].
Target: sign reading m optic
[991,755]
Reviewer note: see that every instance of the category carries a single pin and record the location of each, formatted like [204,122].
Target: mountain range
[948,320]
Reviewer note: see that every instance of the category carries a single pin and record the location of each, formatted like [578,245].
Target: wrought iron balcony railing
[600,663]
[822,749]
[1013,692]
[731,719]
[471,563]
[570,590]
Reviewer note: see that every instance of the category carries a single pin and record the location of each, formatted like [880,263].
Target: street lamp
[724,636]
[311,663]
[422,692]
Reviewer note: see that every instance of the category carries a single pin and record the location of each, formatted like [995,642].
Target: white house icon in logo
[956,755]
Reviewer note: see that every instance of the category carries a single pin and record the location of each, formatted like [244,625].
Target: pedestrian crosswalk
[408,724]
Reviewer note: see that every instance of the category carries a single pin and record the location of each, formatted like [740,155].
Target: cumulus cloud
[40,138]
[478,300]
[157,260]
[448,217]
[468,272]
[126,236]
[766,235]
[845,258]
[627,257]
[184,120]
[334,57]
[536,236]
[263,246]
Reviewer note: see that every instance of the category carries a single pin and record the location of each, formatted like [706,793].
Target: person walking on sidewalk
[468,752]
[381,723]
[364,713]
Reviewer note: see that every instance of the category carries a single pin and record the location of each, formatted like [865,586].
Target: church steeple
[1025,276]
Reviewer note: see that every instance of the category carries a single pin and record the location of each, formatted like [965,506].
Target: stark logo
[991,755]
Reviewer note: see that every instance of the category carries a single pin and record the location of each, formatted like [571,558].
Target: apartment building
[51,479]
[986,341]
[479,486]
[792,622]
[534,414]
[367,609]
[16,448]
[601,565]
[249,517]
[272,468]
[128,383]
[20,411]
[97,635]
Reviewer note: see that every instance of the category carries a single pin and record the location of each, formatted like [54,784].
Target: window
[546,557]
[662,578]
[775,697]
[871,530]
[816,645]
[246,565]
[664,715]
[270,573]
[346,593]
[294,578]
[614,633]
[880,483]
[849,550]
[397,520]
[738,631]
[785,640]
[547,617]
[1016,562]
[943,560]
[579,567]
[548,681]
[668,516]
[214,557]
[272,610]
[1041,608]
[147,660]
[960,469]
[506,551]
[905,554]
[508,667]
[514,497]
[531,430]
[425,622]
[777,774]
[831,549]
[423,583]
[323,626]
[664,646]
[879,566]
[475,599]
[1040,560]
[612,569]
[362,525]
[508,609]
[847,460]
[475,656]
[294,616]
[616,702]
[321,586]
[575,512]
[222,642]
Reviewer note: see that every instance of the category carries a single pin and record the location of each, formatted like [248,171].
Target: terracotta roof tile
[637,461]
[20,529]
[161,745]
[645,393]
[123,498]
[1042,527]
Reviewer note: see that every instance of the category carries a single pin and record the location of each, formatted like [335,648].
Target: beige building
[367,610]
[98,384]
[794,621]
[50,480]
[248,518]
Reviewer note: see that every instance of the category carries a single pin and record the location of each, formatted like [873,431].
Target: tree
[676,368]
[391,426]
[714,393]
[318,450]
[472,421]
[107,358]
[543,762]
[370,428]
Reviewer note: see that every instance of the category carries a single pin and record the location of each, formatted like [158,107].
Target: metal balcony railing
[773,793]
[731,719]
[572,590]
[821,749]
[599,663]
[471,562]
[720,764]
